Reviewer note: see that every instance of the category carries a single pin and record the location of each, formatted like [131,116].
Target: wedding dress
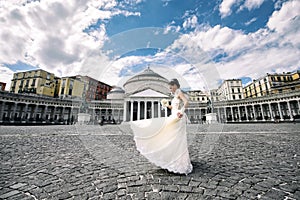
[163,141]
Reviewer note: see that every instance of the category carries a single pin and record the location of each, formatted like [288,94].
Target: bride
[163,141]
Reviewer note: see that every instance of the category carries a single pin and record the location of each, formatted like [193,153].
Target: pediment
[149,93]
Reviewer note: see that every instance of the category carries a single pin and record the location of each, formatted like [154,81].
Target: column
[62,113]
[158,109]
[53,113]
[246,111]
[290,111]
[2,111]
[145,109]
[139,110]
[70,115]
[14,111]
[225,114]
[219,117]
[279,109]
[254,114]
[43,115]
[262,112]
[240,113]
[232,115]
[152,109]
[124,113]
[200,115]
[26,110]
[119,111]
[35,112]
[131,110]
[271,112]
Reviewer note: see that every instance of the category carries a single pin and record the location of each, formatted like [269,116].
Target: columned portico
[144,104]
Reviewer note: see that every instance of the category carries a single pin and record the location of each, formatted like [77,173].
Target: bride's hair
[174,81]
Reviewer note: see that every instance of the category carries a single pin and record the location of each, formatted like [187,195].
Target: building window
[232,90]
[71,84]
[21,84]
[70,91]
[240,96]
[27,83]
[62,90]
[33,82]
[48,76]
[233,96]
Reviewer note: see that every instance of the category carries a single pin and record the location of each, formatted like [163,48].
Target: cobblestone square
[231,161]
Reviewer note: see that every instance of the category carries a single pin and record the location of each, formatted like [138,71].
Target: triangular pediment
[149,93]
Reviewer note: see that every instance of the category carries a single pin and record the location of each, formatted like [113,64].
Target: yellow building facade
[273,84]
[35,81]
[71,87]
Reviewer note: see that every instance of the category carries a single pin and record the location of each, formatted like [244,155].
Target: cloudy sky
[199,42]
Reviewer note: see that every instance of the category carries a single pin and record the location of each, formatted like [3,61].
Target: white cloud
[225,7]
[281,20]
[190,22]
[50,34]
[5,76]
[252,4]
[273,48]
[250,21]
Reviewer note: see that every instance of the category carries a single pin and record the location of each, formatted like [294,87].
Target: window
[239,90]
[62,90]
[233,97]
[240,96]
[70,91]
[71,84]
[48,76]
[33,82]
[232,90]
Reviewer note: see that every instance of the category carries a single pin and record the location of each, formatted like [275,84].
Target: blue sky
[200,42]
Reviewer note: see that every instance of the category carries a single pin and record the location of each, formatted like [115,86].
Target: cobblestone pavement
[245,161]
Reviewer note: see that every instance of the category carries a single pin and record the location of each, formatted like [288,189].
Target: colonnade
[136,109]
[245,111]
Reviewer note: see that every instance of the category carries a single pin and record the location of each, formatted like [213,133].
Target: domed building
[140,99]
[116,93]
[143,93]
[147,79]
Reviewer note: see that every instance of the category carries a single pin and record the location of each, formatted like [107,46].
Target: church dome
[146,79]
[116,93]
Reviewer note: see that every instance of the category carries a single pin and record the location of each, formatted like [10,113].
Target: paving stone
[18,185]
[246,161]
[9,194]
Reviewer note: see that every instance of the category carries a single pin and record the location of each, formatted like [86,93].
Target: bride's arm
[184,99]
